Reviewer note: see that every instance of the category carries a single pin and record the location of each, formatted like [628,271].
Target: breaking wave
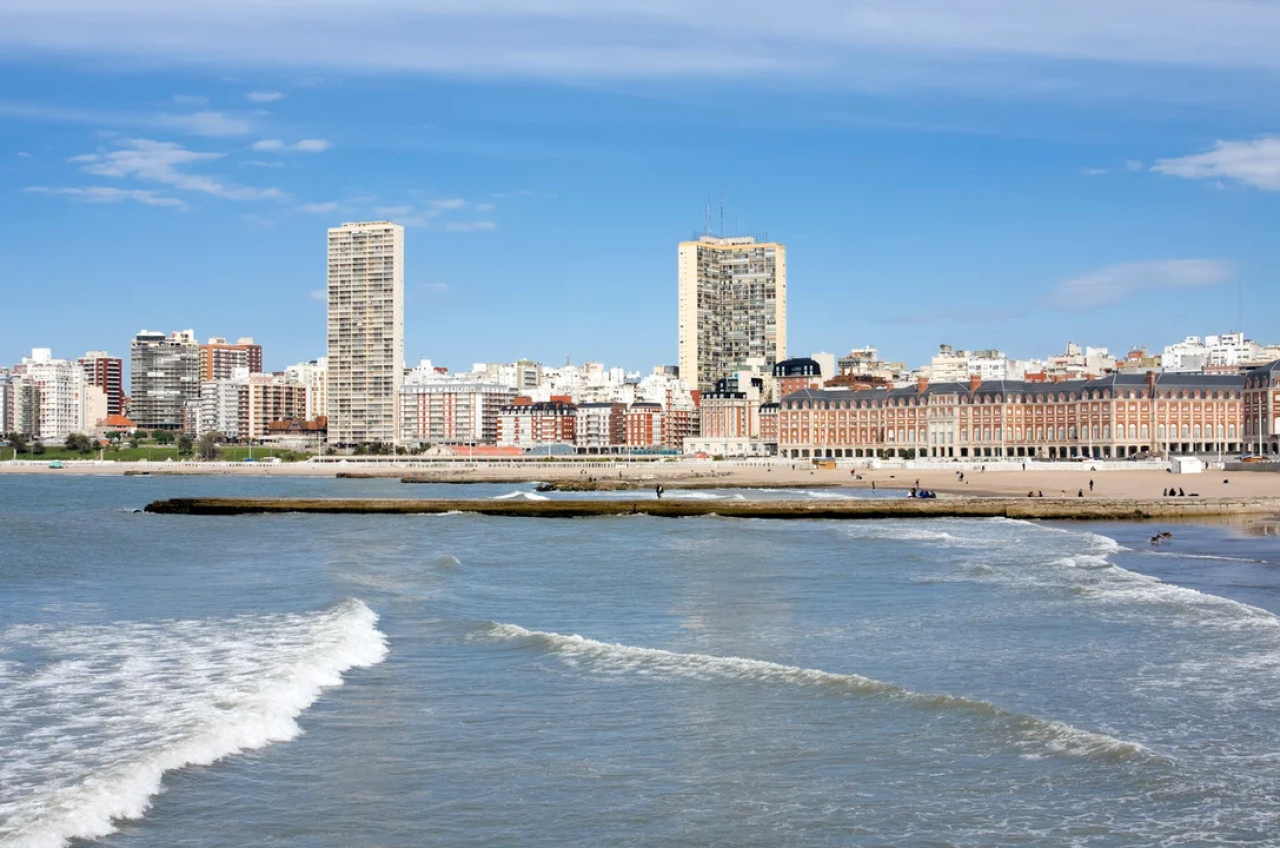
[88,730]
[1052,737]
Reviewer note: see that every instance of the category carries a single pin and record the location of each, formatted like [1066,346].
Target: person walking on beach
[658,490]
[1091,484]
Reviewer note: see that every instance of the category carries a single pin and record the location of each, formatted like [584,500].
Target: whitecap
[90,732]
[1053,737]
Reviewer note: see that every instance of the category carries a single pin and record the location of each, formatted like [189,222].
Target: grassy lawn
[151,453]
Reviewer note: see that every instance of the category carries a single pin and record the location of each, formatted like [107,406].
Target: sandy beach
[1057,480]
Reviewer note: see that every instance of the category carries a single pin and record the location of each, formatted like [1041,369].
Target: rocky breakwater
[1045,508]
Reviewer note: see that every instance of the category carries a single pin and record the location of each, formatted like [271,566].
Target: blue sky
[975,172]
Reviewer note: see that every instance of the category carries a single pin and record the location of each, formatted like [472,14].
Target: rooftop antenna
[707,218]
[721,210]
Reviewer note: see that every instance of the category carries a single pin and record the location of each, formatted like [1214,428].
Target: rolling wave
[90,728]
[1053,737]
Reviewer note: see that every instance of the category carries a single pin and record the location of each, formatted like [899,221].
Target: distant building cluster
[734,391]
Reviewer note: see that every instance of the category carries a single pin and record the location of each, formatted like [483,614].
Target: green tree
[185,444]
[162,437]
[207,445]
[37,447]
[17,441]
[78,442]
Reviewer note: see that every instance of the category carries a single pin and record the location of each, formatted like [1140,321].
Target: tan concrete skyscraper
[366,331]
[733,307]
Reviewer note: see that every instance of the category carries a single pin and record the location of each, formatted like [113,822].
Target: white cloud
[448,203]
[823,42]
[22,154]
[207,123]
[108,194]
[190,100]
[1254,163]
[1094,172]
[1112,284]
[306,145]
[435,288]
[392,211]
[161,162]
[470,226]
[1132,165]
[259,163]
[264,96]
[321,295]
[318,208]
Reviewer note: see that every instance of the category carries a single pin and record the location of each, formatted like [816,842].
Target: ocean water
[460,680]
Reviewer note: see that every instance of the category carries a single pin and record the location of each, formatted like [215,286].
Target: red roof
[118,422]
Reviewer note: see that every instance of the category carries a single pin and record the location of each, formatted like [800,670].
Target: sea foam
[1051,737]
[88,731]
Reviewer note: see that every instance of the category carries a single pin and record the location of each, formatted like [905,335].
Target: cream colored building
[732,307]
[366,331]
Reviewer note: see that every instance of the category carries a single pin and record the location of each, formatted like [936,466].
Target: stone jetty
[1184,509]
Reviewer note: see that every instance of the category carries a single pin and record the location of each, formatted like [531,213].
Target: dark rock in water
[546,487]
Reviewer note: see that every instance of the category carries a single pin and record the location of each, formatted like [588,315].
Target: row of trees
[205,447]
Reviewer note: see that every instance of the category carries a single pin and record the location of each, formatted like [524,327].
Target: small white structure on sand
[1186,465]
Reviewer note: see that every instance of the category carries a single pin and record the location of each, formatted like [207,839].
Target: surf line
[1054,736]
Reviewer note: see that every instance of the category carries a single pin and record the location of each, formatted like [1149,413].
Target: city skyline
[998,183]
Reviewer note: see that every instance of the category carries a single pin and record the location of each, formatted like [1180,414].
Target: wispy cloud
[1114,283]
[435,288]
[108,194]
[318,208]
[264,96]
[823,42]
[439,213]
[207,123]
[190,100]
[469,226]
[1254,163]
[306,145]
[22,154]
[163,162]
[260,163]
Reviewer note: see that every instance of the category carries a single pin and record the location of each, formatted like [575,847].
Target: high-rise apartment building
[107,373]
[164,376]
[219,359]
[54,399]
[366,331]
[732,307]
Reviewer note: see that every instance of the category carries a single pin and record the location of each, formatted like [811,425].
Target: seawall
[1185,509]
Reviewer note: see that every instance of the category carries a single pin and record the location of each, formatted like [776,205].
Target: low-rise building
[1117,416]
[525,423]
[1262,409]
[600,427]
[644,425]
